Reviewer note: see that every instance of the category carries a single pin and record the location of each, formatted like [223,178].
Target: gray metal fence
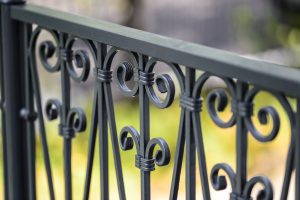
[21,25]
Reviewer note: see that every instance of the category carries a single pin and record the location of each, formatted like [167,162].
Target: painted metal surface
[244,79]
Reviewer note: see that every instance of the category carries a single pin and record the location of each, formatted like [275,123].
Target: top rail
[267,75]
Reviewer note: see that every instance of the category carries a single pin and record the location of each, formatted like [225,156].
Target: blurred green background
[264,158]
[251,28]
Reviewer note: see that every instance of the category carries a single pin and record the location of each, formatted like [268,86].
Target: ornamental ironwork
[22,48]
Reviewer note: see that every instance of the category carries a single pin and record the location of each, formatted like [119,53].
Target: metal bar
[30,121]
[13,66]
[67,144]
[114,140]
[103,145]
[144,132]
[19,143]
[297,150]
[288,170]
[178,158]
[190,184]
[67,168]
[12,2]
[103,129]
[3,130]
[241,142]
[38,100]
[201,155]
[91,150]
[215,61]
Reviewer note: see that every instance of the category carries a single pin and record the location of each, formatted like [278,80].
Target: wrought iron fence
[21,26]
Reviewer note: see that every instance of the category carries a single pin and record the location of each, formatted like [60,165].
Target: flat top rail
[267,75]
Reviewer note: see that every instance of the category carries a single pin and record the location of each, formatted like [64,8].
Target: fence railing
[21,26]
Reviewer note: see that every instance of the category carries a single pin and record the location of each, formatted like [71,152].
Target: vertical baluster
[113,132]
[13,71]
[297,154]
[103,131]
[91,146]
[3,130]
[288,169]
[190,141]
[144,132]
[178,158]
[67,143]
[241,142]
[38,100]
[198,135]
[30,117]
[290,160]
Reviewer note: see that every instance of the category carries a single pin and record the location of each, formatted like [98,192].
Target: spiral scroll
[263,119]
[264,194]
[53,109]
[76,119]
[124,72]
[162,157]
[145,161]
[127,142]
[217,99]
[219,182]
[46,49]
[80,59]
[164,83]
[127,71]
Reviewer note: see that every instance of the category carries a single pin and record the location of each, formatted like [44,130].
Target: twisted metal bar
[243,109]
[146,165]
[66,54]
[191,104]
[146,78]
[66,131]
[103,76]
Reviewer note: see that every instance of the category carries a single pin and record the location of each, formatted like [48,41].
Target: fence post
[13,51]
[297,150]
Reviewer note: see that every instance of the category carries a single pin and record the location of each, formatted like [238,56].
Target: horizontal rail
[267,75]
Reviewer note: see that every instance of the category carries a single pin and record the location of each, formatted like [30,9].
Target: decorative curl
[217,101]
[80,59]
[46,49]
[53,109]
[162,156]
[164,84]
[264,194]
[103,76]
[123,74]
[76,119]
[263,119]
[126,141]
[145,161]
[219,182]
[191,104]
